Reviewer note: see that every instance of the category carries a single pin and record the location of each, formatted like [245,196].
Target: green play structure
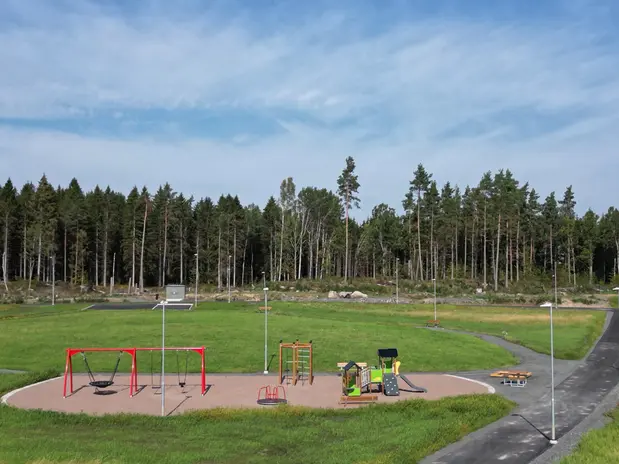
[358,378]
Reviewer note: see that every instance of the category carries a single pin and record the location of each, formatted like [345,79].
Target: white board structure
[174,298]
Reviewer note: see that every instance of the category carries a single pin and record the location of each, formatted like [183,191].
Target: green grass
[395,433]
[575,331]
[18,311]
[614,302]
[234,336]
[599,446]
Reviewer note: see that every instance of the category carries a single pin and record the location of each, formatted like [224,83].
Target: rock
[358,294]
[345,294]
[332,295]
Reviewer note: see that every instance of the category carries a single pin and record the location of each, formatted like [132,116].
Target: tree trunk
[142,247]
[497,254]
[591,263]
[165,247]
[281,246]
[485,244]
[346,247]
[219,282]
[133,239]
[97,256]
[420,262]
[551,246]
[234,259]
[39,252]
[507,253]
[65,252]
[244,256]
[518,251]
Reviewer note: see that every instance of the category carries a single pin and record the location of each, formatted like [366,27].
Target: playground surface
[223,391]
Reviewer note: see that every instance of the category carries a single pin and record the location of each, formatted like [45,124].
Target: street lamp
[434,298]
[229,291]
[266,314]
[397,288]
[553,439]
[195,303]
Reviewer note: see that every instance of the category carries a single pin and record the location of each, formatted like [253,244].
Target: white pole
[266,354]
[53,280]
[229,294]
[434,298]
[195,305]
[397,287]
[553,437]
[163,358]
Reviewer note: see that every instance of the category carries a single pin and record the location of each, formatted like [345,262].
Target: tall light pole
[163,303]
[229,290]
[266,315]
[195,303]
[434,298]
[553,439]
[397,286]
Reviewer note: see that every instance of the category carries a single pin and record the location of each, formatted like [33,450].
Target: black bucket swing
[101,383]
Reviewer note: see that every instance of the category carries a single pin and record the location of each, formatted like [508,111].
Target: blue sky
[234,96]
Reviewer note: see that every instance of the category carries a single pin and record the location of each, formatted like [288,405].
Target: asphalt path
[523,436]
[137,306]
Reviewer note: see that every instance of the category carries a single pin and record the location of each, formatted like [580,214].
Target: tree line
[495,233]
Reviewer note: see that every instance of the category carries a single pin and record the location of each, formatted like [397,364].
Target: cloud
[239,99]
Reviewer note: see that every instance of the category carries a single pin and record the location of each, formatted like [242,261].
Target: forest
[494,234]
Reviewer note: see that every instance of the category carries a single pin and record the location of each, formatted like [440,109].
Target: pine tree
[348,187]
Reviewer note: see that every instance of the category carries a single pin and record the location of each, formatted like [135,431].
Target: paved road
[137,305]
[515,439]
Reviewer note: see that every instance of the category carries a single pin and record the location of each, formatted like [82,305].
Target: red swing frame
[133,378]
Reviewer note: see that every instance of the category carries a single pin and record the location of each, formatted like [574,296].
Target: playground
[227,391]
[345,366]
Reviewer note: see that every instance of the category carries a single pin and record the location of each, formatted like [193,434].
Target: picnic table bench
[512,378]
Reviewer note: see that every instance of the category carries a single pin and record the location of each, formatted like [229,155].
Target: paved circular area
[230,391]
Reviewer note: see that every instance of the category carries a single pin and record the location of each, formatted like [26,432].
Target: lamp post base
[553,442]
[266,372]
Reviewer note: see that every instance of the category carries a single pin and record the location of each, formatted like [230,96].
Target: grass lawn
[575,330]
[395,433]
[598,446]
[234,335]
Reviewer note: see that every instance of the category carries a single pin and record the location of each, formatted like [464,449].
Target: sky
[231,96]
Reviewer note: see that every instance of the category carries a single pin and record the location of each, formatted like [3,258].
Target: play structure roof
[388,352]
[350,365]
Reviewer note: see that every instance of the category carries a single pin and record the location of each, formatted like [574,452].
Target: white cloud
[399,91]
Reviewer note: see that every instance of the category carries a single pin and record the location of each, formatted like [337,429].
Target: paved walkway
[519,438]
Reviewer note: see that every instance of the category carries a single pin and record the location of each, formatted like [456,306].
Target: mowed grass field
[396,433]
[35,338]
